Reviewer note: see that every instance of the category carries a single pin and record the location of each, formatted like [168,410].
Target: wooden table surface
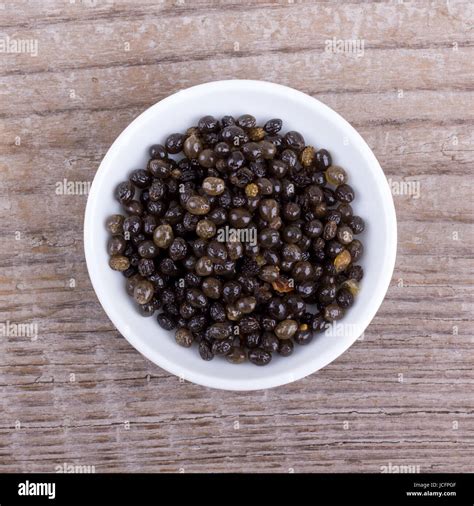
[78,394]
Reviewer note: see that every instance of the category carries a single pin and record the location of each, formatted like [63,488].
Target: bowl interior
[321,127]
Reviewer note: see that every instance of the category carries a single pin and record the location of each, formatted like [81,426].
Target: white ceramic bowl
[321,127]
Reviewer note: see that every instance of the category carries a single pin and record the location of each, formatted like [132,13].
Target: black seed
[124,192]
[205,351]
[344,193]
[259,356]
[166,321]
[344,298]
[285,348]
[294,140]
[158,151]
[273,126]
[246,121]
[323,160]
[208,124]
[174,143]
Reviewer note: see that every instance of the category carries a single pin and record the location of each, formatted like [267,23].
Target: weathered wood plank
[206,32]
[325,74]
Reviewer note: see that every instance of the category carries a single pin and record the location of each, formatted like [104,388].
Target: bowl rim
[277,379]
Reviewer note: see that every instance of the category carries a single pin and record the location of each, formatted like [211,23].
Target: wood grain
[79,393]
